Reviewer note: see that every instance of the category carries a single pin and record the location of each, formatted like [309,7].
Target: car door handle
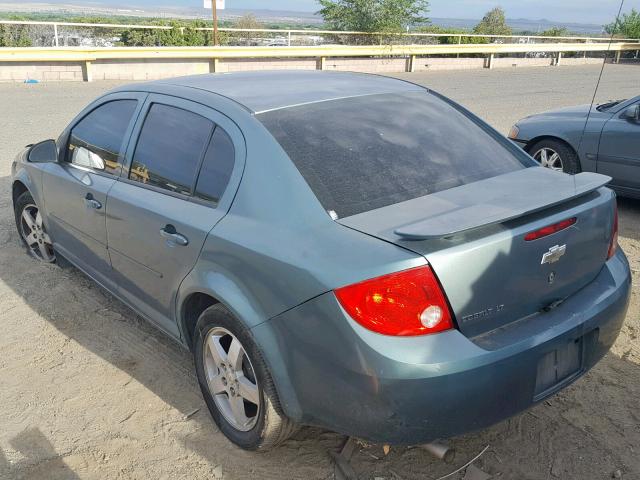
[173,237]
[91,202]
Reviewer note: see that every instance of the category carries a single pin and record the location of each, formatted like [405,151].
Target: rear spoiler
[495,200]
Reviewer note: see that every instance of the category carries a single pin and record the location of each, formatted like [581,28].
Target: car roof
[265,91]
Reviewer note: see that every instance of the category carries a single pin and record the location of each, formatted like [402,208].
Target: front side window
[96,141]
[216,168]
[170,148]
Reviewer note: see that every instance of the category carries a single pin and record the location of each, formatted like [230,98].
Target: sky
[575,11]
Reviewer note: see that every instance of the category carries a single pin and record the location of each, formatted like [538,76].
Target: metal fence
[81,63]
[58,34]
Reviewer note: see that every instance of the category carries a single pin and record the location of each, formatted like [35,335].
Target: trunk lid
[473,236]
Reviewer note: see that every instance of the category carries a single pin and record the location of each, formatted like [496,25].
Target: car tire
[33,233]
[568,157]
[268,427]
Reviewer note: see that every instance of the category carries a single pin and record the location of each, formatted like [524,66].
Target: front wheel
[236,383]
[555,155]
[32,230]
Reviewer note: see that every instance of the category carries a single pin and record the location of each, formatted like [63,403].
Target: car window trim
[219,119]
[100,102]
[153,188]
[203,202]
[81,168]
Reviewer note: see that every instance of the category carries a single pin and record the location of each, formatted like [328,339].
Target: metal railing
[402,46]
[86,56]
[293,37]
[79,53]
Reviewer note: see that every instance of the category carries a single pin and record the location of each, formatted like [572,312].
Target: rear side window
[363,153]
[216,168]
[96,141]
[170,147]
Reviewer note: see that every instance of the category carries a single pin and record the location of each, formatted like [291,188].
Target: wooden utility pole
[214,9]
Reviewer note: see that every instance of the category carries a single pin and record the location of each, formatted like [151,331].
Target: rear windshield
[363,153]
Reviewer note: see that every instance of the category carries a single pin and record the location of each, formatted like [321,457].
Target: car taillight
[406,303]
[550,229]
[613,245]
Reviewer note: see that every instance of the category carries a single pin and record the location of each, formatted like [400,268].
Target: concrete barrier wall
[248,64]
[371,65]
[438,63]
[147,69]
[151,69]
[505,62]
[59,71]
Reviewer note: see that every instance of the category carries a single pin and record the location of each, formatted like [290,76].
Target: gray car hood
[579,111]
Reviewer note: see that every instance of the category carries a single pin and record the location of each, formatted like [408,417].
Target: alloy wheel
[231,379]
[35,235]
[549,158]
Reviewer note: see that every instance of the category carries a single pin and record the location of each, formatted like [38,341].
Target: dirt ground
[90,391]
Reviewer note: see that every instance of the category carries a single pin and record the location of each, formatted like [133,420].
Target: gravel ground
[88,390]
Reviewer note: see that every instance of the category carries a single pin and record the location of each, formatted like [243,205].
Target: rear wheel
[236,384]
[555,155]
[32,230]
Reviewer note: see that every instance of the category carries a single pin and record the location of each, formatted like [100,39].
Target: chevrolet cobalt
[348,251]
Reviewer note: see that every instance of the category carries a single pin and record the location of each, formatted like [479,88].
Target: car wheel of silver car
[555,155]
[236,384]
[32,229]
[549,158]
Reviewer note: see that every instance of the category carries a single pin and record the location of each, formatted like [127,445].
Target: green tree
[247,22]
[454,39]
[15,36]
[628,26]
[493,23]
[197,38]
[179,35]
[389,16]
[555,32]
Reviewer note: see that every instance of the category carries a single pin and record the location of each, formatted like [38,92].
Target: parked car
[348,251]
[609,143]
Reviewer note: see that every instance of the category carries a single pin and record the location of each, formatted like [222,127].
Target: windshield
[362,153]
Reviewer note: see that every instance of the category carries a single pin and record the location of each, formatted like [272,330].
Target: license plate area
[559,367]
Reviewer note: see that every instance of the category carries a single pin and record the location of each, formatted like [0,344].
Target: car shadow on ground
[587,431]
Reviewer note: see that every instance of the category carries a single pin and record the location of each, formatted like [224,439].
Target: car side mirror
[632,114]
[44,152]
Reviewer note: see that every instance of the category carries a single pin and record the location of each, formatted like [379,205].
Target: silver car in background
[608,142]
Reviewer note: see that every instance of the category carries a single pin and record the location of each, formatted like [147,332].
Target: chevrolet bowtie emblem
[554,254]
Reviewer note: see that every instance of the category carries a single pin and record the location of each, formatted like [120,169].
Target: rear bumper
[332,373]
